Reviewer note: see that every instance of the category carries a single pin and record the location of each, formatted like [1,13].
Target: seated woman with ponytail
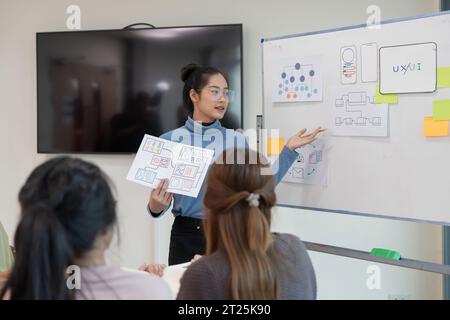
[244,260]
[68,215]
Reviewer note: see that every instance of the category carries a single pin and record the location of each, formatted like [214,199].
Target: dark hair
[195,77]
[242,231]
[65,203]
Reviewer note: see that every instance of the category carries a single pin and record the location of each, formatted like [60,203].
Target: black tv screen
[101,91]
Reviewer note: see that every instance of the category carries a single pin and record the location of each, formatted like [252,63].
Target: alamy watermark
[230,140]
[73,21]
[73,281]
[374,19]
[373,281]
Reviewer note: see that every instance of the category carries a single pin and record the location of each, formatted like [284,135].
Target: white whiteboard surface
[402,176]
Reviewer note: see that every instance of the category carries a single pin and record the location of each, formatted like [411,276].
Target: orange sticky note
[274,146]
[435,128]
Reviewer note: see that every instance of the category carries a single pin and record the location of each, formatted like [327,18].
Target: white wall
[337,277]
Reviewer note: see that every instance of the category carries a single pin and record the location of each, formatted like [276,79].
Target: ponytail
[65,204]
[39,271]
[238,224]
[244,232]
[259,236]
[253,276]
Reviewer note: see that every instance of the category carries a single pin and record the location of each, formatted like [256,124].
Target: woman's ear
[195,97]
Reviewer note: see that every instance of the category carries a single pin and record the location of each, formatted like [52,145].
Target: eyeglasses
[217,93]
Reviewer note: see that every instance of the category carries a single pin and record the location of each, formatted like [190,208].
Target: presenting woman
[206,96]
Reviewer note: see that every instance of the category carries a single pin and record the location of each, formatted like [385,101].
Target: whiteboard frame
[357,26]
[371,215]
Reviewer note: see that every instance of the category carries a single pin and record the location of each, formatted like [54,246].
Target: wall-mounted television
[101,91]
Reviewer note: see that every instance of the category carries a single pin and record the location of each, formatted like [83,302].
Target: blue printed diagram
[153,146]
[310,166]
[192,155]
[297,81]
[184,166]
[159,157]
[356,114]
[146,175]
[185,172]
[315,157]
[351,110]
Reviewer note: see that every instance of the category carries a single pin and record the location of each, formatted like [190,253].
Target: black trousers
[186,240]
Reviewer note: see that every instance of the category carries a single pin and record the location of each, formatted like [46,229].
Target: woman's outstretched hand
[301,138]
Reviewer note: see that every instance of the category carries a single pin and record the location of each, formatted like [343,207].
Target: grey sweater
[208,277]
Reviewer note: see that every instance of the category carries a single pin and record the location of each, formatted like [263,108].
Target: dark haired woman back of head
[68,215]
[244,260]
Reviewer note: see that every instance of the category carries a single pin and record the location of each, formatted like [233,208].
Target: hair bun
[187,70]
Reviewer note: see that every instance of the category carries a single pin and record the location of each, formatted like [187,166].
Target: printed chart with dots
[297,80]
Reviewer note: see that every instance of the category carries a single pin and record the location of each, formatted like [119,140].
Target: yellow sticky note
[441,110]
[443,77]
[385,98]
[274,146]
[432,128]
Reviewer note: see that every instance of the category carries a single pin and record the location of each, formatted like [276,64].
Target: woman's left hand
[301,138]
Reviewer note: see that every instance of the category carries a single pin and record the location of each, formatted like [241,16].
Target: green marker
[385,253]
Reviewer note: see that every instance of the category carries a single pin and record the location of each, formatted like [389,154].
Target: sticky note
[385,98]
[443,77]
[441,110]
[433,128]
[274,146]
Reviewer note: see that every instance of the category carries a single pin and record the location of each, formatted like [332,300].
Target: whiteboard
[394,173]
